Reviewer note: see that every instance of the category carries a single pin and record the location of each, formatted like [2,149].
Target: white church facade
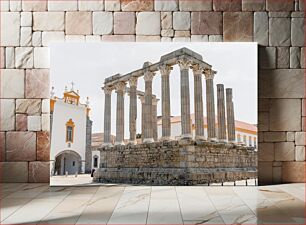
[71,130]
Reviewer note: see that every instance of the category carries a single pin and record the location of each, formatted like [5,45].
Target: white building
[70,134]
[245,133]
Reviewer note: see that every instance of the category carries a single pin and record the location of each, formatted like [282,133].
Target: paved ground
[114,204]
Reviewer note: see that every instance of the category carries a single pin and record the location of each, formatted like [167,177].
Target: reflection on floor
[117,204]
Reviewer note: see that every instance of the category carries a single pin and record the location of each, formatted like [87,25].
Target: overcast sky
[88,64]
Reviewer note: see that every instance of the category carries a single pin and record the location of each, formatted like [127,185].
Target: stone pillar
[210,105]
[120,88]
[107,116]
[141,98]
[221,113]
[198,102]
[133,109]
[154,118]
[148,131]
[166,110]
[230,115]
[184,65]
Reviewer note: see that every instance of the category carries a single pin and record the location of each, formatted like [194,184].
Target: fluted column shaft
[154,119]
[107,115]
[142,116]
[166,110]
[230,115]
[198,102]
[133,108]
[185,98]
[120,87]
[221,112]
[148,131]
[210,104]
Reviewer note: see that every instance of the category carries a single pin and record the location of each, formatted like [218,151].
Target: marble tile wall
[29,26]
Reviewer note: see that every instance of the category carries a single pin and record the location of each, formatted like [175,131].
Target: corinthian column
[184,65]
[107,116]
[166,111]
[210,104]
[198,101]
[148,131]
[133,109]
[154,118]
[120,88]
[221,112]
[230,115]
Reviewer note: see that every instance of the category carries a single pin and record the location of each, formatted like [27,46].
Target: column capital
[108,90]
[165,70]
[133,81]
[184,64]
[141,98]
[120,86]
[148,76]
[154,100]
[197,69]
[209,74]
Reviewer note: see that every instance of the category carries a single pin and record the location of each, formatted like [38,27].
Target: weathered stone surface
[124,22]
[78,23]
[26,36]
[102,23]
[14,172]
[206,23]
[215,38]
[137,5]
[283,5]
[304,107]
[91,5]
[303,58]
[281,83]
[41,57]
[181,39]
[167,33]
[253,5]
[264,173]
[7,114]
[293,172]
[203,5]
[52,37]
[266,152]
[39,172]
[48,21]
[301,5]
[2,146]
[34,123]
[75,38]
[261,28]
[37,83]
[112,5]
[283,57]
[15,5]
[166,39]
[142,38]
[297,32]
[148,23]
[279,14]
[279,33]
[290,136]
[169,5]
[34,5]
[26,19]
[2,57]
[71,5]
[300,138]
[275,136]
[267,57]
[238,26]
[9,57]
[12,83]
[45,106]
[199,38]
[92,38]
[20,146]
[182,33]
[166,20]
[295,57]
[43,146]
[5,5]
[28,106]
[45,122]
[10,28]
[263,121]
[37,39]
[119,38]
[21,122]
[285,115]
[284,151]
[300,153]
[181,20]
[24,57]
[229,5]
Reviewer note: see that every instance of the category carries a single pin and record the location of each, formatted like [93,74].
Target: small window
[250,141]
[95,161]
[69,131]
[73,163]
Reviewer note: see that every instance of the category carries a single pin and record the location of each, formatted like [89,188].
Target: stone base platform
[184,162]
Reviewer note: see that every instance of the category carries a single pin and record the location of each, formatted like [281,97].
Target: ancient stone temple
[165,161]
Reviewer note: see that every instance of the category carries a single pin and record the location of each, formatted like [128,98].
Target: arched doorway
[67,161]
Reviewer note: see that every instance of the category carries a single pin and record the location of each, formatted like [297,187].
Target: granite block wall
[29,26]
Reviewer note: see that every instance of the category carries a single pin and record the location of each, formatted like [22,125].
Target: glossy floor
[117,204]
